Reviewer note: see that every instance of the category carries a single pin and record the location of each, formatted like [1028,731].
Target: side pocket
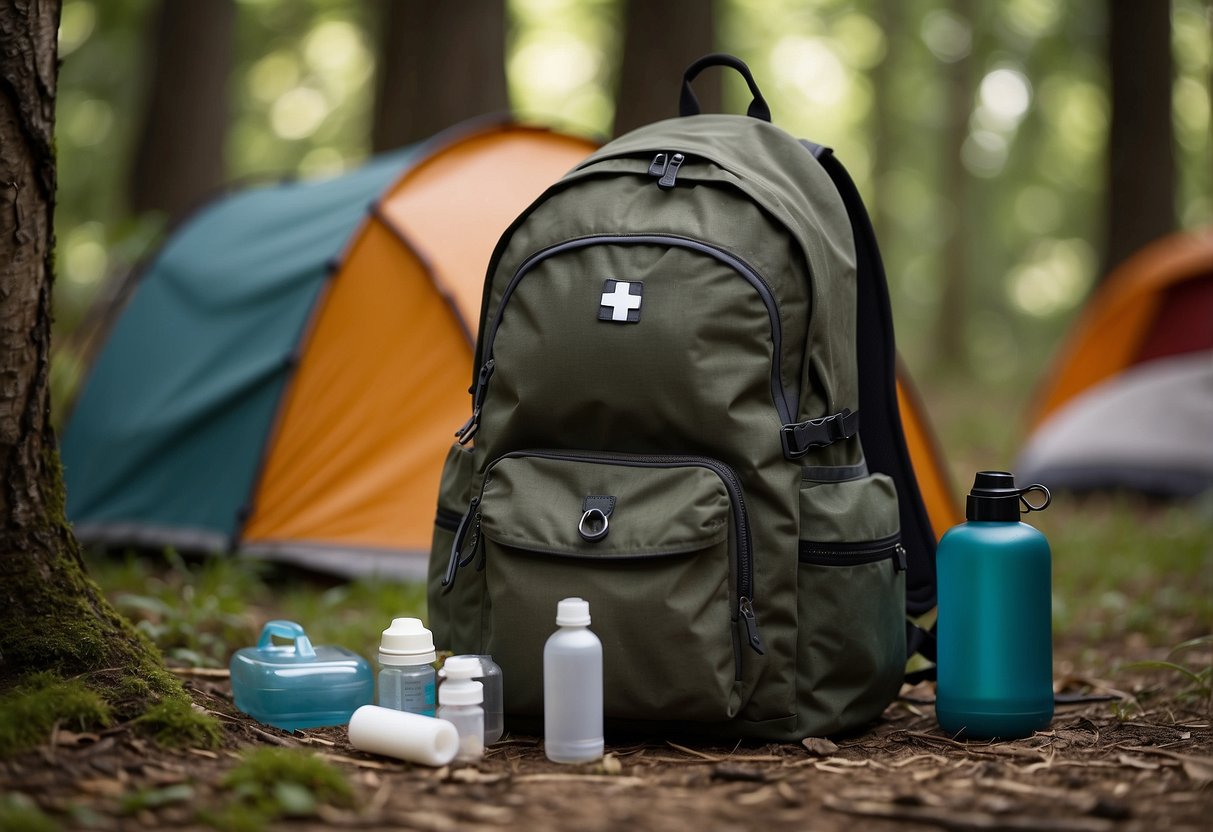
[850,603]
[448,609]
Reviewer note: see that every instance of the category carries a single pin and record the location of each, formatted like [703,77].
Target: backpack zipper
[743,548]
[854,554]
[778,394]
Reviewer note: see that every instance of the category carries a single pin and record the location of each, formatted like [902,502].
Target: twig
[206,672]
[276,740]
[581,778]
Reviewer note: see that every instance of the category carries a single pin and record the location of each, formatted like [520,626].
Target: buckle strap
[800,438]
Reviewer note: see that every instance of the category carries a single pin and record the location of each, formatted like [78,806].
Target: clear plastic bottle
[572,687]
[494,699]
[406,677]
[459,702]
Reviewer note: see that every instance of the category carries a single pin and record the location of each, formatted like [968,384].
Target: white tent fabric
[1149,428]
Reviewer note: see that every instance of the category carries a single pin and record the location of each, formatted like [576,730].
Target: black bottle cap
[995,497]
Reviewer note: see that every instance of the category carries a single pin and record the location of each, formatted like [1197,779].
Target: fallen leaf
[819,746]
[1198,769]
[611,765]
[474,775]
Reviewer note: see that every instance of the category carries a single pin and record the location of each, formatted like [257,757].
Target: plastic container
[572,687]
[406,678]
[459,702]
[296,685]
[995,644]
[404,735]
[494,698]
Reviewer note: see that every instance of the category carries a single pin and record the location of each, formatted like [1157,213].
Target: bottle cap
[458,687]
[573,612]
[995,497]
[406,642]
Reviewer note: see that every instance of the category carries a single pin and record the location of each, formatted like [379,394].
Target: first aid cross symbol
[621,301]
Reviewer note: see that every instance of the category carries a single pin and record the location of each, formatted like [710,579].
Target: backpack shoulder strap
[881,432]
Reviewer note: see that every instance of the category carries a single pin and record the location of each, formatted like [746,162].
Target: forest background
[984,135]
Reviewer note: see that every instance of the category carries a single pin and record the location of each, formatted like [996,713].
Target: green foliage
[201,611]
[1125,567]
[155,798]
[18,812]
[29,713]
[175,722]
[1195,675]
[273,783]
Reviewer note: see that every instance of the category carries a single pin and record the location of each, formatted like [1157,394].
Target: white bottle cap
[573,612]
[458,687]
[407,736]
[406,642]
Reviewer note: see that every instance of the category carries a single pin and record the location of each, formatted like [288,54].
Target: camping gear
[1128,403]
[407,681]
[460,702]
[995,629]
[406,736]
[572,687]
[679,342]
[296,685]
[287,373]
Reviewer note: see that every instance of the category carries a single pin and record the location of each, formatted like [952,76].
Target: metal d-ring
[593,535]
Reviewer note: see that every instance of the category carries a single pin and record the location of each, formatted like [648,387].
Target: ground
[1130,748]
[1120,762]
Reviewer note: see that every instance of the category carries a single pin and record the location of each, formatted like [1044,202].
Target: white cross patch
[621,301]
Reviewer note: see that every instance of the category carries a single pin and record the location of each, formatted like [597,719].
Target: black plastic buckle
[801,438]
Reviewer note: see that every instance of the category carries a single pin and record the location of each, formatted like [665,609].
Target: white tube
[412,737]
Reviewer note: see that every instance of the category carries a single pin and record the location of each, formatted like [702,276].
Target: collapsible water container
[297,685]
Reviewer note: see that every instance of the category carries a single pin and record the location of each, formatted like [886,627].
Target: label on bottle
[417,695]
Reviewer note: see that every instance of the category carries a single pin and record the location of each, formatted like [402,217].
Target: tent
[288,374]
[1129,401]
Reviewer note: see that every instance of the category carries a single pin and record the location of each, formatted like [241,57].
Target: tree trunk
[1141,149]
[950,343]
[891,18]
[660,40]
[179,158]
[52,617]
[439,63]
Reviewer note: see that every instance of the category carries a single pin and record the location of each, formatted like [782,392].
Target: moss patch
[31,710]
[278,782]
[19,812]
[175,722]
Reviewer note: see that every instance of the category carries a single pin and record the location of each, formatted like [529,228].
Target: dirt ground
[1133,759]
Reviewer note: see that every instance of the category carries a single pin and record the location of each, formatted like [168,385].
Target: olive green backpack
[678,343]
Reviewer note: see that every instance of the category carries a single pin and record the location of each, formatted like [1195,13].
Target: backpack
[678,343]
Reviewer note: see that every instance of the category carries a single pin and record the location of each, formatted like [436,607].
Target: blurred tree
[659,41]
[950,341]
[439,63]
[890,17]
[52,617]
[179,156]
[1141,146]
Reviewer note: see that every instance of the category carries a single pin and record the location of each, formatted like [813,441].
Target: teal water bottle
[995,630]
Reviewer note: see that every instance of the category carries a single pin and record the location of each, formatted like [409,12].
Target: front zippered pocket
[782,398]
[852,554]
[659,545]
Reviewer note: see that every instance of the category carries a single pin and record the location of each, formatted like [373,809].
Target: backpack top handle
[688,104]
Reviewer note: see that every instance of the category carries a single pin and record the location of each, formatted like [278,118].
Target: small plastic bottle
[995,648]
[572,687]
[459,702]
[406,656]
[494,699]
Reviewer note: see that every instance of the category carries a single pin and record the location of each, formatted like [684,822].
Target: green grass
[272,783]
[30,712]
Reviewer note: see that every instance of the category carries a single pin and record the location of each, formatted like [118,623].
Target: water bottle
[406,655]
[995,640]
[459,702]
[572,687]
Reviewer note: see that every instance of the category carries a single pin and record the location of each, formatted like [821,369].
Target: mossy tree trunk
[52,617]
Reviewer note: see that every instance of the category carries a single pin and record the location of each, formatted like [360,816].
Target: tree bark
[660,40]
[439,63]
[1141,147]
[51,616]
[179,156]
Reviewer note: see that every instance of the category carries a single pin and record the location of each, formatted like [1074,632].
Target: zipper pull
[455,562]
[671,172]
[465,433]
[746,608]
[899,559]
[660,162]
